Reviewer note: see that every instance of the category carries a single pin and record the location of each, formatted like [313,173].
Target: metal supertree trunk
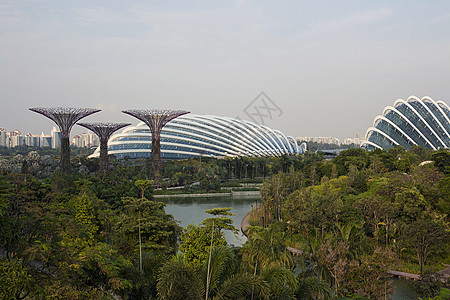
[155,120]
[65,118]
[104,132]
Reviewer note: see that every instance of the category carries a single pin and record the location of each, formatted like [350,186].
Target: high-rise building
[350,141]
[11,141]
[321,140]
[2,137]
[45,140]
[85,140]
[56,138]
[17,140]
[32,140]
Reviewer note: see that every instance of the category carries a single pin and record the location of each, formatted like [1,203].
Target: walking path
[445,272]
[404,274]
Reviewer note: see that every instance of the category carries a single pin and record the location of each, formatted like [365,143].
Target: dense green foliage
[348,221]
[62,241]
[366,213]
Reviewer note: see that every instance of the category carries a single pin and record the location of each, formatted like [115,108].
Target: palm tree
[313,288]
[266,256]
[282,282]
[266,247]
[179,279]
[313,278]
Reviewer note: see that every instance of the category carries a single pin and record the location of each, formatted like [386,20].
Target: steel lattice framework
[422,122]
[65,118]
[104,131]
[155,119]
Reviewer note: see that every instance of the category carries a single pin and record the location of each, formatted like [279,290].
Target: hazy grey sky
[330,66]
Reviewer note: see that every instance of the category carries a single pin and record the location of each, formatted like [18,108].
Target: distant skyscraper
[56,138]
[76,141]
[17,140]
[32,140]
[85,140]
[320,140]
[2,137]
[11,141]
[350,141]
[45,140]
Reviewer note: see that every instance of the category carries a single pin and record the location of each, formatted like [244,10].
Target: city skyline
[328,68]
[12,138]
[318,139]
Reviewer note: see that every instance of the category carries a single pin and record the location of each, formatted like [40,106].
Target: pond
[402,290]
[192,211]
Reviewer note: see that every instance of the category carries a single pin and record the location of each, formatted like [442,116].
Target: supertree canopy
[103,131]
[65,118]
[155,120]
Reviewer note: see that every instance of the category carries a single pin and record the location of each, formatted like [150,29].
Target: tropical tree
[426,237]
[266,247]
[370,272]
[16,281]
[196,242]
[311,288]
[179,279]
[159,232]
[220,219]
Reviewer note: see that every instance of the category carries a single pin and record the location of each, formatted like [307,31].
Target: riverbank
[208,195]
[192,210]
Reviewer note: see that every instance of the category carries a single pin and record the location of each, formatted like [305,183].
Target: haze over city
[330,66]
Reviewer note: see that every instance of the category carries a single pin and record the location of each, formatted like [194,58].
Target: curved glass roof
[203,135]
[415,121]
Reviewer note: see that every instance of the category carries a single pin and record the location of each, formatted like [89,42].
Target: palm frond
[283,282]
[223,263]
[313,288]
[178,279]
[240,285]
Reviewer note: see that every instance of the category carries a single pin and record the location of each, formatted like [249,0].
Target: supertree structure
[155,120]
[104,131]
[65,118]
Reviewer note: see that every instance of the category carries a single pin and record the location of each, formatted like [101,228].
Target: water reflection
[402,290]
[192,211]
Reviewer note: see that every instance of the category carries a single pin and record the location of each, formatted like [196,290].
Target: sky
[307,68]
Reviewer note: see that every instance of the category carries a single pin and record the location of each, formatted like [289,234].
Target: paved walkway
[404,274]
[445,272]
